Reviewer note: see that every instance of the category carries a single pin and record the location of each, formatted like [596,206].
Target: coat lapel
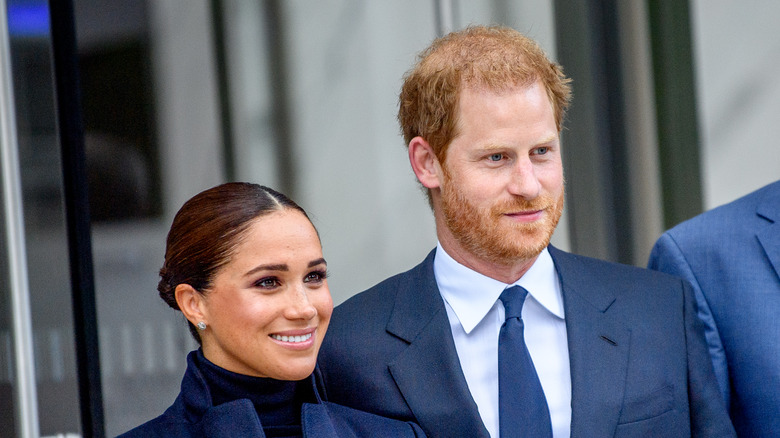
[232,419]
[598,348]
[769,237]
[428,372]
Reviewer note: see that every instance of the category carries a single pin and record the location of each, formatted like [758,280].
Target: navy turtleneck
[277,402]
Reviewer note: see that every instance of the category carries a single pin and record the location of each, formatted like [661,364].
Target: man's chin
[508,254]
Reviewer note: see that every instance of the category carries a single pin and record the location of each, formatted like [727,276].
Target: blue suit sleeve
[667,257]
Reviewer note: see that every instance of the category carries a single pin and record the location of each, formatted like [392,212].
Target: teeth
[293,339]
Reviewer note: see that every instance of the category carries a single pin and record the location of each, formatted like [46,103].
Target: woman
[244,265]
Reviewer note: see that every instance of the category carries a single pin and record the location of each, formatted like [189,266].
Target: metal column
[24,372]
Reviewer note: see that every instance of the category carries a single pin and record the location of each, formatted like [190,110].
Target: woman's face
[269,307]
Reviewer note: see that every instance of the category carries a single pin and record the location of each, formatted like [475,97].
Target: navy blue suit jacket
[639,362]
[731,256]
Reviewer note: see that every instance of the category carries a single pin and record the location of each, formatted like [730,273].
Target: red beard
[488,235]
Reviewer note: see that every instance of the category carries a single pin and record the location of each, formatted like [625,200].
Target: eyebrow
[283,267]
[499,146]
[550,139]
[319,261]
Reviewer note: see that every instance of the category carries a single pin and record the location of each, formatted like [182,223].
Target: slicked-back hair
[207,229]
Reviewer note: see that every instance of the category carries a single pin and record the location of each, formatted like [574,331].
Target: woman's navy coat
[192,415]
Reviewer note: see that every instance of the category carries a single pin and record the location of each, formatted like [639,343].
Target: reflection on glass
[45,232]
[7,405]
[142,343]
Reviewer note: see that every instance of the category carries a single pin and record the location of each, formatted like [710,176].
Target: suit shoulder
[162,426]
[593,264]
[640,296]
[611,270]
[382,296]
[171,423]
[375,298]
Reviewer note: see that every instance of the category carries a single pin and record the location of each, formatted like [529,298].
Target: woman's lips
[298,339]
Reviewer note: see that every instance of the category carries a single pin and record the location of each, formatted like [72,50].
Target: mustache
[518,204]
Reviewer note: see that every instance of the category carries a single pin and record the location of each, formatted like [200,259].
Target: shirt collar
[471,295]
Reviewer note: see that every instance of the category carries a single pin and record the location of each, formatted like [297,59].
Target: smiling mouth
[526,215]
[293,339]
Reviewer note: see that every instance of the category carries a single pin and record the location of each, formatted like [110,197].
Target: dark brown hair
[495,58]
[206,231]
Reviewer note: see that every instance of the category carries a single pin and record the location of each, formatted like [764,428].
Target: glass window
[44,239]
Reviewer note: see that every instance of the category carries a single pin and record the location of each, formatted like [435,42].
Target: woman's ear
[191,303]
[424,162]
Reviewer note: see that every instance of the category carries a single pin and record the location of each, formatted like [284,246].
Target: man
[614,350]
[731,255]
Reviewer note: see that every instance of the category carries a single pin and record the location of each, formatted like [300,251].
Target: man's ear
[424,162]
[191,303]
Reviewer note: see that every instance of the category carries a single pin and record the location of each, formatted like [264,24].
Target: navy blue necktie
[522,407]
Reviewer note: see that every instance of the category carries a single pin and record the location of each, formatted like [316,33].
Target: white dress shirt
[476,316]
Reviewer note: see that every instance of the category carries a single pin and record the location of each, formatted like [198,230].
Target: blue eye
[541,151]
[496,157]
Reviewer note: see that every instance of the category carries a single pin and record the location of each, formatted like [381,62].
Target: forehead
[285,229]
[528,104]
[283,222]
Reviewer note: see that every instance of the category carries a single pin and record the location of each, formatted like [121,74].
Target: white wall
[737,55]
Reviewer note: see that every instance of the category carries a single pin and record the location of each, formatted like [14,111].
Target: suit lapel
[769,237]
[428,372]
[598,347]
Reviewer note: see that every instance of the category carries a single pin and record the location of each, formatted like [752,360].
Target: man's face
[502,181]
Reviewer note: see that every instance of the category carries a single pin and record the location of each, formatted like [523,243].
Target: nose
[524,182]
[299,306]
